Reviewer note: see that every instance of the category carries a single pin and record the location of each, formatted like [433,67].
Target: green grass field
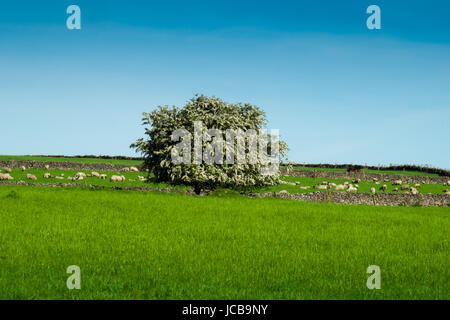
[132,180]
[138,162]
[150,245]
[403,172]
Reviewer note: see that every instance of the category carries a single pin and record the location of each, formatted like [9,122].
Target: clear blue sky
[338,92]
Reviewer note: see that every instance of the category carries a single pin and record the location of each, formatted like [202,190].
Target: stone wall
[56,165]
[365,176]
[385,199]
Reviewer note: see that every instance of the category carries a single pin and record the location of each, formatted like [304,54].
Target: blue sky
[338,92]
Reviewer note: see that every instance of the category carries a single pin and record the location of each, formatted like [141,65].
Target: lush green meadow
[132,180]
[151,245]
[364,186]
[403,172]
[139,162]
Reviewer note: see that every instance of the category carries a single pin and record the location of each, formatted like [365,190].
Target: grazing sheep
[351,189]
[333,184]
[417,185]
[339,187]
[47,175]
[377,182]
[357,181]
[372,190]
[283,192]
[304,187]
[322,187]
[31,176]
[59,178]
[47,167]
[287,182]
[7,170]
[134,169]
[383,188]
[448,183]
[345,183]
[5,176]
[395,189]
[397,182]
[80,175]
[414,191]
[103,176]
[23,168]
[447,192]
[126,169]
[70,178]
[375,179]
[405,187]
[141,178]
[115,178]
[324,183]
[356,185]
[95,174]
[62,174]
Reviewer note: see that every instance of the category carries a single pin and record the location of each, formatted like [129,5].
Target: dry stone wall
[385,199]
[56,165]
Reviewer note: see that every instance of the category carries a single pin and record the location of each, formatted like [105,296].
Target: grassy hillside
[164,246]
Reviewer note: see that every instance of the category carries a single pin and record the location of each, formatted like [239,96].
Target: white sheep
[414,191]
[31,176]
[405,187]
[397,182]
[103,176]
[134,169]
[116,178]
[23,168]
[322,187]
[7,170]
[352,189]
[126,169]
[95,174]
[79,175]
[339,187]
[304,187]
[372,190]
[47,175]
[47,167]
[383,187]
[5,176]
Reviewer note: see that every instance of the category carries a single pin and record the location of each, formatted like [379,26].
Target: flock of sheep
[353,187]
[346,186]
[77,176]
